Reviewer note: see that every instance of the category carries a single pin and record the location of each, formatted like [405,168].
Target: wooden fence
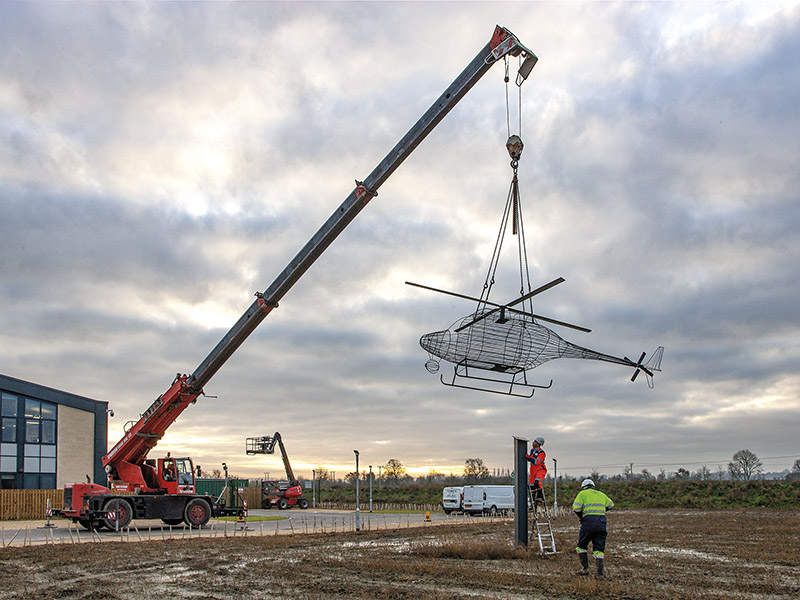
[20,505]
[24,505]
[16,505]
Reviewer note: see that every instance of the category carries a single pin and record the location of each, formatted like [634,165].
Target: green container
[215,487]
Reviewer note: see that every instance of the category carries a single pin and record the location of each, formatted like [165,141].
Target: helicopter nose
[436,342]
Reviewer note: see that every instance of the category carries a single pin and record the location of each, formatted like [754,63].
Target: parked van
[453,499]
[488,499]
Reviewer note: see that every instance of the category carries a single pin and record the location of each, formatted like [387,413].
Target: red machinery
[283,494]
[164,488]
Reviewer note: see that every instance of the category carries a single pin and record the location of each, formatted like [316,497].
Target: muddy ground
[669,554]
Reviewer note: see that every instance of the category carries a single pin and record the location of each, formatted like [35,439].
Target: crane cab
[173,475]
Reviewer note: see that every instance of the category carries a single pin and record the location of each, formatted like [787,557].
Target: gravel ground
[658,554]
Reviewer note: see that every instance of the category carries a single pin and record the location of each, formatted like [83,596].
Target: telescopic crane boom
[125,462]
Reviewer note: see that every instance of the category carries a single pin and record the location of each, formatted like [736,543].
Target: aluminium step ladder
[543,528]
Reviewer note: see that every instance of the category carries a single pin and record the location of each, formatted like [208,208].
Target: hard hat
[587,483]
[539,440]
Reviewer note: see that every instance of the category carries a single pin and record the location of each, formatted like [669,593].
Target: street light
[313,491]
[555,487]
[370,488]
[358,523]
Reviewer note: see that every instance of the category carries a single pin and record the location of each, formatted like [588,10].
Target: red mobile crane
[164,488]
[277,493]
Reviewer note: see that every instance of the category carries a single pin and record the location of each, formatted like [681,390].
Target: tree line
[743,466]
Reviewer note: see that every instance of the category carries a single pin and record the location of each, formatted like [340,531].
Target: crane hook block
[514,146]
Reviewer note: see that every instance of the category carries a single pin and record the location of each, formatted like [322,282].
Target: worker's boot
[584,563]
[601,566]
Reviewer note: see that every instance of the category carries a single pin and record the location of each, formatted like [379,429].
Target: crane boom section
[503,42]
[144,435]
[140,438]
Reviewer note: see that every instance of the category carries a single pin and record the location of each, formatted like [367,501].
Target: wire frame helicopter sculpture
[493,348]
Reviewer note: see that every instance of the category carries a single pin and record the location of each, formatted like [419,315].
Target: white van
[453,499]
[490,499]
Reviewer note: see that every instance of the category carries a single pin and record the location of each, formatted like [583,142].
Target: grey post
[520,492]
[358,512]
[555,487]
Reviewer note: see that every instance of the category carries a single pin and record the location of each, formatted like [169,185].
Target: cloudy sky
[159,163]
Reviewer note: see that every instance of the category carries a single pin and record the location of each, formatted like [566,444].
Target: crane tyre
[302,503]
[283,503]
[122,514]
[197,512]
[172,521]
[265,503]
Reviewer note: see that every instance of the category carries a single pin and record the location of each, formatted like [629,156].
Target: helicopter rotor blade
[508,306]
[479,318]
[527,314]
[538,290]
[562,323]
[548,319]
[457,295]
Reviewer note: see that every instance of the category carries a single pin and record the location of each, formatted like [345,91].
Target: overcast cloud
[159,163]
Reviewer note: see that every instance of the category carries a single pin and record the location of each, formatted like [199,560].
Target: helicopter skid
[514,386]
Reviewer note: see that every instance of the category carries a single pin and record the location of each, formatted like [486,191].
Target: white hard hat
[587,483]
[539,440]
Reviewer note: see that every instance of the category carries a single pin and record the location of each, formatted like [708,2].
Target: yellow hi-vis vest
[591,503]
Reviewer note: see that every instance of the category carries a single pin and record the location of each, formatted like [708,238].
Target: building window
[38,446]
[9,416]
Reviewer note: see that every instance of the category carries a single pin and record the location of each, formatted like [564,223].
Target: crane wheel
[197,513]
[302,503]
[118,514]
[283,503]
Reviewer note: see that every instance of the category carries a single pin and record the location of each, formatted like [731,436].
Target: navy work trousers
[593,529]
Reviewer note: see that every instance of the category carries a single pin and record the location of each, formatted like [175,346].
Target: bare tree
[394,470]
[796,466]
[745,465]
[475,470]
[682,474]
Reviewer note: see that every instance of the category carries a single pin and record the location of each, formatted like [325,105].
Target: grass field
[661,554]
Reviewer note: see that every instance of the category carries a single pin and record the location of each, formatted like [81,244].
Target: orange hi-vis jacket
[538,467]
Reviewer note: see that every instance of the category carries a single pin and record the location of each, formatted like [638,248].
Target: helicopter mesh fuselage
[510,347]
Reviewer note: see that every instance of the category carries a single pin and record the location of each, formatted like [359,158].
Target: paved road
[19,533]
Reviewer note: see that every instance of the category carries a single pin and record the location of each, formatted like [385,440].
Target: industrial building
[50,437]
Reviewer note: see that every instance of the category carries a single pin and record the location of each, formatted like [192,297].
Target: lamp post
[555,487]
[313,490]
[358,523]
[370,488]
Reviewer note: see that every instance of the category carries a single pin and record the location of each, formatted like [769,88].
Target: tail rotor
[654,364]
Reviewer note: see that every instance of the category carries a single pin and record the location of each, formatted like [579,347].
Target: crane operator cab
[176,475]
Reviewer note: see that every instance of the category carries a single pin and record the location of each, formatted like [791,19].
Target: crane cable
[512,211]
